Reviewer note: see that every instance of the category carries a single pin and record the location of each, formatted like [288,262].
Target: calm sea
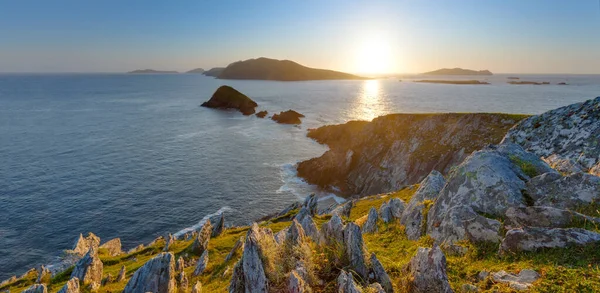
[134,156]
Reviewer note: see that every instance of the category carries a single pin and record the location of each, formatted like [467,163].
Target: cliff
[397,150]
[282,70]
[458,71]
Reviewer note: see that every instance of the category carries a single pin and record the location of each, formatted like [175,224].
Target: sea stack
[227,97]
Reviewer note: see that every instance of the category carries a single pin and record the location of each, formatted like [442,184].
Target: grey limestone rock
[157,275]
[532,239]
[428,272]
[413,217]
[89,269]
[370,226]
[72,286]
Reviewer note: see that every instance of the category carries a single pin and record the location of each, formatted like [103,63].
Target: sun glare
[374,56]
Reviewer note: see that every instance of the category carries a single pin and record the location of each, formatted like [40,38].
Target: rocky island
[197,70]
[529,82]
[288,117]
[520,214]
[452,81]
[281,70]
[458,71]
[226,97]
[150,71]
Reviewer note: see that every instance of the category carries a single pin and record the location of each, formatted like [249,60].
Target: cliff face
[397,150]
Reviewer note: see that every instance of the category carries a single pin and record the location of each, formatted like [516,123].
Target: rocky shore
[519,213]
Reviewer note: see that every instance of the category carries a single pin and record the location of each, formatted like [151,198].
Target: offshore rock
[370,226]
[571,132]
[288,117]
[202,263]
[89,269]
[428,272]
[345,283]
[487,183]
[381,275]
[36,288]
[532,239]
[201,242]
[355,249]
[413,217]
[113,247]
[157,275]
[227,97]
[72,286]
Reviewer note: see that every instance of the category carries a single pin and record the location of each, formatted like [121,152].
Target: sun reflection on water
[370,101]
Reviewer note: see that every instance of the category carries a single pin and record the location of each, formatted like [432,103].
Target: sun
[374,56]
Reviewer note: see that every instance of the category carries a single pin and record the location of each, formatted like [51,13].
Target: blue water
[134,156]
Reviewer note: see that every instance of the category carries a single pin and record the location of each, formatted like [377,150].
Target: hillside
[214,72]
[197,70]
[282,70]
[457,71]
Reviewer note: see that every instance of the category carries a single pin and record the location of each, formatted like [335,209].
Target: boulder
[485,185]
[72,286]
[355,249]
[385,212]
[381,275]
[414,216]
[427,271]
[565,192]
[262,114]
[543,216]
[89,269]
[332,232]
[113,247]
[83,244]
[201,242]
[197,287]
[36,288]
[238,244]
[521,281]
[532,239]
[121,276]
[219,226]
[288,117]
[345,283]
[571,132]
[227,97]
[370,226]
[157,275]
[202,263]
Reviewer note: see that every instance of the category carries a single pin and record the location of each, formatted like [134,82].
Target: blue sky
[511,36]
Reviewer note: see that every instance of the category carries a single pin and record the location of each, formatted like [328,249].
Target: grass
[527,167]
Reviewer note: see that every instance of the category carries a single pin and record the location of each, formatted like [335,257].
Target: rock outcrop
[397,150]
[288,117]
[157,275]
[565,192]
[296,284]
[113,247]
[36,288]
[200,244]
[236,247]
[202,263]
[89,269]
[370,226]
[391,210]
[219,226]
[249,273]
[227,97]
[262,114]
[197,287]
[355,249]
[332,232]
[521,281]
[295,234]
[346,284]
[414,217]
[428,272]
[308,224]
[72,286]
[121,276]
[84,244]
[532,239]
[381,275]
[569,133]
[545,217]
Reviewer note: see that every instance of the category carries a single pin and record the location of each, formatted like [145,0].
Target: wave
[201,222]
[300,188]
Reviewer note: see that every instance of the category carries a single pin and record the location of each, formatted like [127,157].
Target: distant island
[197,70]
[151,71]
[453,81]
[281,70]
[214,72]
[528,82]
[457,71]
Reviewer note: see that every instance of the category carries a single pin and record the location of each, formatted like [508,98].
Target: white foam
[300,188]
[201,222]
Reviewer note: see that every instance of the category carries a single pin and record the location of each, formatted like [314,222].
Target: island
[288,117]
[528,82]
[226,97]
[214,72]
[280,70]
[197,70]
[458,71]
[151,71]
[452,81]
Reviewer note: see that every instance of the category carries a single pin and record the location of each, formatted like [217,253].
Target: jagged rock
[385,212]
[180,264]
[413,218]
[296,284]
[113,246]
[345,283]
[121,276]
[571,132]
[381,275]
[93,287]
[281,235]
[226,97]
[202,263]
[344,209]
[428,271]
[568,192]
[44,275]
[236,284]
[311,203]
[469,288]
[157,240]
[288,117]
[295,233]
[332,232]
[183,281]
[532,239]
[308,224]
[136,249]
[170,241]
[197,287]
[219,226]
[107,280]
[355,249]
[89,269]
[543,216]
[391,210]
[563,165]
[83,245]
[376,288]
[72,286]
[249,274]
[36,288]
[238,244]
[487,183]
[157,275]
[201,242]
[522,281]
[370,226]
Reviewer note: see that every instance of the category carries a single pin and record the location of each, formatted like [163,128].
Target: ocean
[135,157]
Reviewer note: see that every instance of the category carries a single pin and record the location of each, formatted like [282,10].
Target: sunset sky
[508,36]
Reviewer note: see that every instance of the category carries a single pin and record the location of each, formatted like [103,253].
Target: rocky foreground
[521,215]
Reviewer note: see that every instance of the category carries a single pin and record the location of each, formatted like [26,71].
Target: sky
[504,36]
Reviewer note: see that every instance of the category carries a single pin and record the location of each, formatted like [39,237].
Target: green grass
[527,167]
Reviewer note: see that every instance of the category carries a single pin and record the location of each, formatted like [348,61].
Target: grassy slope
[563,270]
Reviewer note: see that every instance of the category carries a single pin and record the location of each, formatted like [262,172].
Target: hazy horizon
[373,38]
